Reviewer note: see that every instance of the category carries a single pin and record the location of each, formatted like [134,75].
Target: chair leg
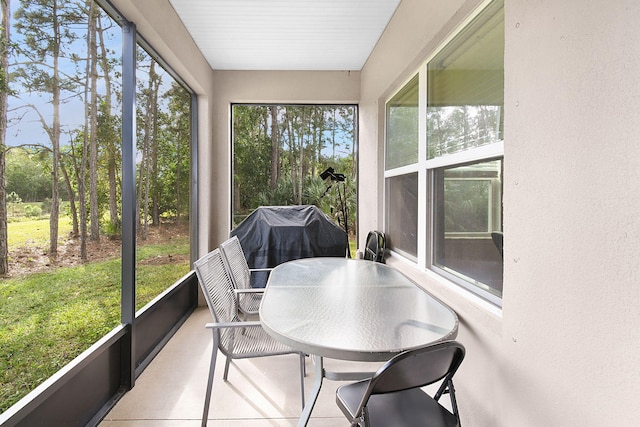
[454,403]
[303,373]
[226,368]
[212,369]
[304,365]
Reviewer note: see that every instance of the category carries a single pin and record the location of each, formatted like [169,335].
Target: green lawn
[47,319]
[34,231]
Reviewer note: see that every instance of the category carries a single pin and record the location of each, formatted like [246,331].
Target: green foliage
[452,129]
[28,175]
[32,211]
[13,198]
[402,126]
[47,27]
[251,157]
[315,190]
[172,177]
[111,227]
[279,196]
[46,205]
[308,139]
[466,205]
[4,52]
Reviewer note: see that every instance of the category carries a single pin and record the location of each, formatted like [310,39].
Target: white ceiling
[285,34]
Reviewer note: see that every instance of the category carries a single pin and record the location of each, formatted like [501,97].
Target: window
[402,212]
[401,154]
[402,127]
[460,156]
[466,88]
[467,209]
[280,152]
[163,176]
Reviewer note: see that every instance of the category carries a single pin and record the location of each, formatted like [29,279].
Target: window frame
[426,169]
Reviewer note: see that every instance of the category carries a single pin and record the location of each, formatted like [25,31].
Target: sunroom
[548,317]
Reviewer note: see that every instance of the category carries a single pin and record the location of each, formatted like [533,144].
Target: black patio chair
[393,397]
[234,338]
[375,246]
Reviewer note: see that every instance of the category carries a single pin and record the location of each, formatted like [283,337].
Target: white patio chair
[236,264]
[234,338]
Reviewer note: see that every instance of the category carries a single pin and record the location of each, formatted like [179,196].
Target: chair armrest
[232,325]
[249,291]
[260,269]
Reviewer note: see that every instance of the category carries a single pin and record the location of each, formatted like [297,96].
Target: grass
[47,319]
[34,232]
[352,247]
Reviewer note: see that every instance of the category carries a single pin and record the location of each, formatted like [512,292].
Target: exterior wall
[564,350]
[266,87]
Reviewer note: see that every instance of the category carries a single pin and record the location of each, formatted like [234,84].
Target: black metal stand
[342,199]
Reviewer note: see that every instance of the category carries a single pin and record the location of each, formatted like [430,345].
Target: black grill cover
[272,235]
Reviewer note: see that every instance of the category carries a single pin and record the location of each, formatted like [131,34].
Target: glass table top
[351,309]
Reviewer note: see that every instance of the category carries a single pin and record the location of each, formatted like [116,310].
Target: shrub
[32,211]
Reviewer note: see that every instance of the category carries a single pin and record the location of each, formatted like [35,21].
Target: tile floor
[259,392]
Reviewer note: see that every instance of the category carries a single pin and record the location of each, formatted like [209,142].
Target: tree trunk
[155,192]
[354,139]
[333,137]
[292,145]
[4,86]
[318,130]
[81,170]
[111,151]
[140,186]
[301,153]
[147,166]
[92,50]
[178,181]
[72,199]
[93,128]
[275,148]
[55,138]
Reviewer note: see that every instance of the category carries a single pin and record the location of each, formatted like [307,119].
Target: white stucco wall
[565,348]
[572,191]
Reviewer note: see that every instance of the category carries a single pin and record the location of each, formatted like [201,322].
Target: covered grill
[271,235]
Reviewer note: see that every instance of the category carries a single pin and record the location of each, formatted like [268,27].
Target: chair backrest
[375,246]
[217,287]
[236,262]
[418,368]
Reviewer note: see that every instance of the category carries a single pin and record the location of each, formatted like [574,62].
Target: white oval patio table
[349,309]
